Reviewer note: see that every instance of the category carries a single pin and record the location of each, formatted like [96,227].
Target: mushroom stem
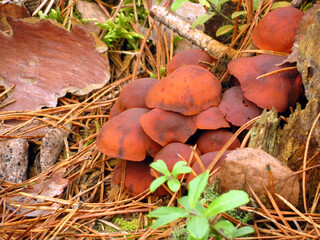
[185,30]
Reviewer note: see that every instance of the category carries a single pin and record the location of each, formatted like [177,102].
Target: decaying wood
[288,144]
[185,30]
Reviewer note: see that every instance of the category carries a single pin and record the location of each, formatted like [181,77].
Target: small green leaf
[161,167]
[204,3]
[243,231]
[174,184]
[223,30]
[225,227]
[177,4]
[198,227]
[157,183]
[180,168]
[238,13]
[167,215]
[196,187]
[280,4]
[202,19]
[183,201]
[227,201]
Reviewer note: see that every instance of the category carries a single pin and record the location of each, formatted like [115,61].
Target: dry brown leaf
[44,186]
[249,166]
[45,62]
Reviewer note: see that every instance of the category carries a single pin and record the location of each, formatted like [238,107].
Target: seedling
[169,177]
[200,217]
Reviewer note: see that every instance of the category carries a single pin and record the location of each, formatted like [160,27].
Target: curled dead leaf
[45,62]
[254,167]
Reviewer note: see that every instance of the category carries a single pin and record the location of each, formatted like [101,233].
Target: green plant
[199,217]
[169,177]
[120,29]
[54,14]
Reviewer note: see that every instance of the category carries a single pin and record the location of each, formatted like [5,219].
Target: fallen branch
[185,30]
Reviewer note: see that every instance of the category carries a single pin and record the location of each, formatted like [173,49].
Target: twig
[185,30]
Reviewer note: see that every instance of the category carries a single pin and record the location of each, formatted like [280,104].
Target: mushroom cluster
[276,32]
[162,119]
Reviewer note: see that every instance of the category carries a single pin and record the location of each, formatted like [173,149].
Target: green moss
[126,224]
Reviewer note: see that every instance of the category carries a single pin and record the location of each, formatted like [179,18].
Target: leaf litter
[72,198]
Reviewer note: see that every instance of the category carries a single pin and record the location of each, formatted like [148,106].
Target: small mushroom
[123,137]
[188,57]
[169,154]
[214,140]
[165,127]
[279,90]
[212,119]
[206,159]
[236,108]
[188,90]
[277,29]
[137,177]
[133,95]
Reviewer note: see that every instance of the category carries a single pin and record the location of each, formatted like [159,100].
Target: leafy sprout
[199,217]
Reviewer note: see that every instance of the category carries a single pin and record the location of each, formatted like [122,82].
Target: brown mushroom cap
[123,137]
[277,29]
[188,90]
[133,95]
[165,127]
[169,154]
[280,90]
[236,108]
[137,177]
[211,118]
[206,159]
[214,140]
[188,57]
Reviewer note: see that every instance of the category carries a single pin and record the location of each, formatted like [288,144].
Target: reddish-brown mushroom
[137,177]
[279,90]
[123,137]
[188,57]
[206,159]
[236,108]
[277,29]
[212,119]
[133,95]
[188,90]
[165,127]
[214,140]
[169,154]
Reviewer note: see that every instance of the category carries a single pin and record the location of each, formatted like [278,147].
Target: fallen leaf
[249,166]
[46,187]
[45,62]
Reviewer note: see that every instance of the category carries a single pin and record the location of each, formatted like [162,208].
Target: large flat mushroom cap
[188,90]
[123,137]
[279,90]
[277,29]
[165,127]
